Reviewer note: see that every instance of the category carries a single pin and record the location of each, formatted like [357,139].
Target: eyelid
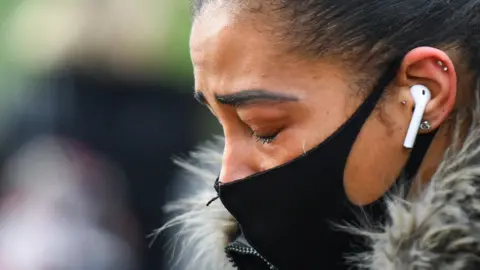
[265,132]
[264,139]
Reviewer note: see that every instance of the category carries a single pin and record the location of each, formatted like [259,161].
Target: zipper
[246,250]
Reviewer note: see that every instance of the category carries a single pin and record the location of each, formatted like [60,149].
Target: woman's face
[273,106]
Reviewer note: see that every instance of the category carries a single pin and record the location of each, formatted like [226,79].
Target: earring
[425,125]
[404,102]
[440,63]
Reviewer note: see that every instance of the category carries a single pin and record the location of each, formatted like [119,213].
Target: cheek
[377,156]
[327,117]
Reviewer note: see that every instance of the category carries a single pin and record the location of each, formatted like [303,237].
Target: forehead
[220,34]
[228,46]
[232,51]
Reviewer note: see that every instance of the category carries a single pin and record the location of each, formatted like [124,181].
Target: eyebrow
[248,97]
[200,97]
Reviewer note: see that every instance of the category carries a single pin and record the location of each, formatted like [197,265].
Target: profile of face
[276,104]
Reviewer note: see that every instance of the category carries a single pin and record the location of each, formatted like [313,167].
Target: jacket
[438,228]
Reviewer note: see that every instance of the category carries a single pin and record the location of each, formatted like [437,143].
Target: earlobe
[434,69]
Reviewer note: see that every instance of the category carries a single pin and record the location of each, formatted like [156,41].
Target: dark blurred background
[109,81]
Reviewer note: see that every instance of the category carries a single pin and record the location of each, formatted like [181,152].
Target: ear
[434,69]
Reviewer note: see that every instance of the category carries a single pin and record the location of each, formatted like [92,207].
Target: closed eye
[264,139]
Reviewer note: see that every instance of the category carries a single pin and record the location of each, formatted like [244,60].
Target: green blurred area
[175,61]
[172,60]
[179,57]
[6,8]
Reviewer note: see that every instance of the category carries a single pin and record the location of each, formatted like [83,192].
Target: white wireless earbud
[421,95]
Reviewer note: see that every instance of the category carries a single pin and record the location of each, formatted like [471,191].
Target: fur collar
[438,229]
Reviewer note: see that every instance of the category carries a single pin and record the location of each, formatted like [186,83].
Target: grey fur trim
[202,232]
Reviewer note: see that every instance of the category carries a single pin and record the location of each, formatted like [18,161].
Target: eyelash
[264,139]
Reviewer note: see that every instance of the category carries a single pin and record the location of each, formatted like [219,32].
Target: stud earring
[441,64]
[404,102]
[425,125]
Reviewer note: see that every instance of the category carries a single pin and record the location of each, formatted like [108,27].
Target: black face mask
[287,214]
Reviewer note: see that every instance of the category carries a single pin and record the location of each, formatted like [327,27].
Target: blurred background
[95,100]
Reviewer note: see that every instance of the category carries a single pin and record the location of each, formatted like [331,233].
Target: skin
[231,58]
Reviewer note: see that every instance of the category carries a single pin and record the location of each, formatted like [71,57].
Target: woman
[315,100]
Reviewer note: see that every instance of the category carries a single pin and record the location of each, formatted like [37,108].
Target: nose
[238,161]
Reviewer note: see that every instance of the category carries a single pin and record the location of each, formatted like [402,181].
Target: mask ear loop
[216,186]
